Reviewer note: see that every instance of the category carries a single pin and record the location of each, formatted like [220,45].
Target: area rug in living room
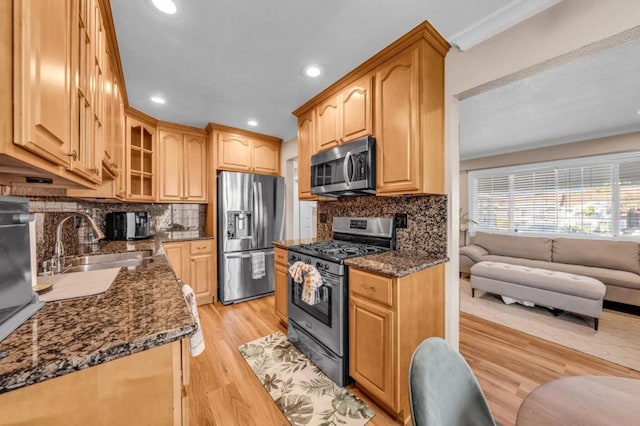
[304,394]
[617,339]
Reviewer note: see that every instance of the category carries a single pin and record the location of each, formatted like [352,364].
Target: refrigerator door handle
[256,212]
[262,213]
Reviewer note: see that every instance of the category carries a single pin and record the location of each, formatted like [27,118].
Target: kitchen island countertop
[396,263]
[143,308]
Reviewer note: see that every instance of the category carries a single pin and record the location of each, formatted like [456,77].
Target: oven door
[326,320]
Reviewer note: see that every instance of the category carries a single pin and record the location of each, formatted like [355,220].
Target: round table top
[582,400]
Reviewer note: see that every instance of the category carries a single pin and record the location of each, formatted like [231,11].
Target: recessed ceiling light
[252,123]
[158,100]
[165,6]
[312,71]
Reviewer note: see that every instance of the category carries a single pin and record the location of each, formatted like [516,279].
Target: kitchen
[206,197]
[110,157]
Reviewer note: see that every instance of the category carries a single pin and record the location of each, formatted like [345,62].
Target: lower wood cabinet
[194,263]
[281,288]
[149,387]
[388,319]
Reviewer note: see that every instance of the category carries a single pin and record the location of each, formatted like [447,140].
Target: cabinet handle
[94,171]
[114,165]
[73,154]
[369,288]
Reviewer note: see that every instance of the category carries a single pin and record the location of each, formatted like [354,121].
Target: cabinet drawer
[200,247]
[371,286]
[280,256]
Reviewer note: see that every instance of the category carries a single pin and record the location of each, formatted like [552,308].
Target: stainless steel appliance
[17,299]
[128,226]
[345,170]
[321,331]
[250,218]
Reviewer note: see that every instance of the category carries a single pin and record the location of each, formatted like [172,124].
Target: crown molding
[506,17]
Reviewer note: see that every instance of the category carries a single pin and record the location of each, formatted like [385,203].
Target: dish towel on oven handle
[311,279]
[196,341]
[258,267]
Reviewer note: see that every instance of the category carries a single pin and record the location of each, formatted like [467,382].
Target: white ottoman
[560,290]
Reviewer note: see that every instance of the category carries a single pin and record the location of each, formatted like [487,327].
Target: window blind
[599,196]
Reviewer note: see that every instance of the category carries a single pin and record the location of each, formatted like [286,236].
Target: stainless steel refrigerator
[250,217]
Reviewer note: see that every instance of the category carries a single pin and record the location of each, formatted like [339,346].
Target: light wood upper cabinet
[196,168]
[141,160]
[246,153]
[306,135]
[182,167]
[171,165]
[397,96]
[409,118]
[234,152]
[388,319]
[266,157]
[356,109]
[42,78]
[328,127]
[397,116]
[346,116]
[87,103]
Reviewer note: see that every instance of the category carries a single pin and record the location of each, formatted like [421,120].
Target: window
[598,196]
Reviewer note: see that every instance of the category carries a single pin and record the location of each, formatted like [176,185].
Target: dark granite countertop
[143,308]
[288,243]
[395,263]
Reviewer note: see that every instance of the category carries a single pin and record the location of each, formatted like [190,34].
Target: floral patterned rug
[304,394]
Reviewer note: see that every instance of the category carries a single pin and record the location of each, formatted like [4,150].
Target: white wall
[288,154]
[551,37]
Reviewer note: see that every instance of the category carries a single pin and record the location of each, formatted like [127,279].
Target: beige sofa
[615,263]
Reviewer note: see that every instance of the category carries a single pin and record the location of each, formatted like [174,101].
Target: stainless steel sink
[107,261]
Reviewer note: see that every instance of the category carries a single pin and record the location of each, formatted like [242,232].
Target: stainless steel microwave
[345,170]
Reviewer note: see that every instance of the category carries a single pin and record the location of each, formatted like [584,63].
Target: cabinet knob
[73,154]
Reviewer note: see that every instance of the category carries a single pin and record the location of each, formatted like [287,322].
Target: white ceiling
[228,61]
[592,97]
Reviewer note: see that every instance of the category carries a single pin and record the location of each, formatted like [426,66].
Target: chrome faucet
[58,250]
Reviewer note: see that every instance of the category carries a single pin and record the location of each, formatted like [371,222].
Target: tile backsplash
[50,205]
[427,219]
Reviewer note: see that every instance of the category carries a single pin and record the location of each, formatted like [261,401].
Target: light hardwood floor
[508,364]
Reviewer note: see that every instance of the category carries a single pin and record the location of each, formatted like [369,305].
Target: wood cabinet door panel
[178,257]
[328,127]
[371,343]
[357,110]
[171,169]
[281,292]
[234,152]
[201,270]
[266,157]
[305,150]
[397,115]
[42,85]
[195,168]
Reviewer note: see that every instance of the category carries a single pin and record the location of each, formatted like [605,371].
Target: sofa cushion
[473,252]
[536,248]
[620,255]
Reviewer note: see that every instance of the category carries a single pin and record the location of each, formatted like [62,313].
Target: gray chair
[443,390]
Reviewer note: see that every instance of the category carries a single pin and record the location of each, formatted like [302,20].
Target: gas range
[337,250]
[353,237]
[321,330]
